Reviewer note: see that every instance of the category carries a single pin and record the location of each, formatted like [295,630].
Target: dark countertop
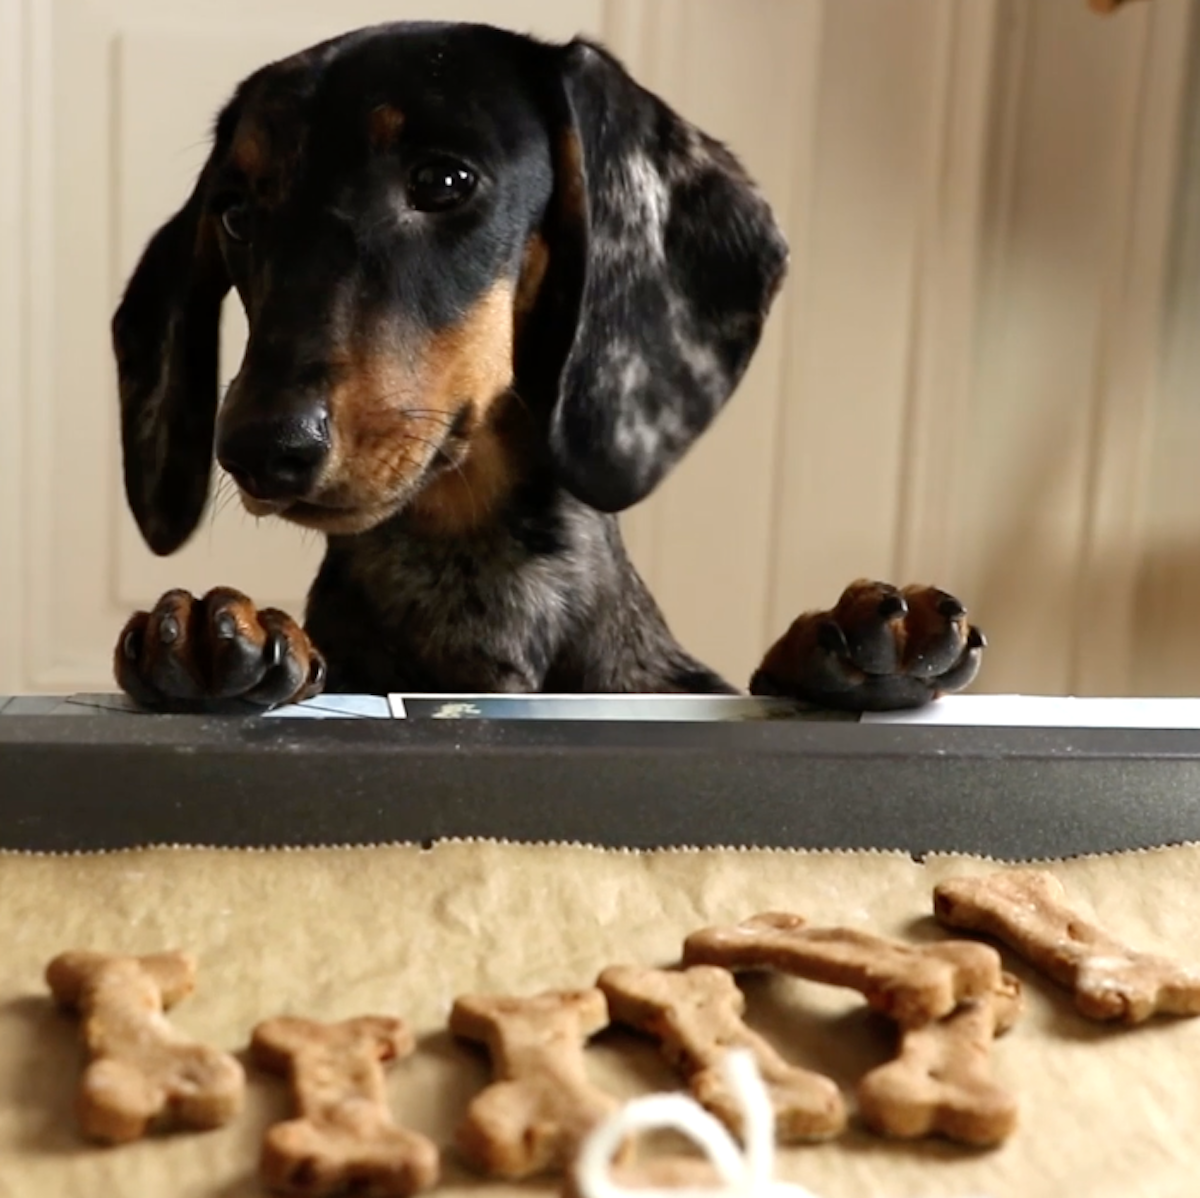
[105,781]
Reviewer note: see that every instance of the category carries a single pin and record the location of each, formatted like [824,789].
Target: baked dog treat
[541,1105]
[696,1015]
[1027,910]
[941,1082]
[142,1072]
[344,1139]
[911,984]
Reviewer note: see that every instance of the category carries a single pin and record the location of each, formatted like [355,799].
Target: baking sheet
[104,782]
[333,933]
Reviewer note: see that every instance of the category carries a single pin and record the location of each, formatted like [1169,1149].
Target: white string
[743,1174]
[747,1174]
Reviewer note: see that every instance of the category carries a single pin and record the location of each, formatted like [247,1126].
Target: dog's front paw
[879,649]
[217,652]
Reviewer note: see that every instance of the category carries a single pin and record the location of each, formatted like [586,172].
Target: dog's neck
[465,497]
[505,453]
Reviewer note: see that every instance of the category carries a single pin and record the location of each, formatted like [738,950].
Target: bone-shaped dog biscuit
[142,1072]
[911,984]
[941,1082]
[1027,910]
[533,1117]
[344,1139]
[696,1015]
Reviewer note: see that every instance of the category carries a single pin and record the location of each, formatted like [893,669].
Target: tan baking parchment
[332,933]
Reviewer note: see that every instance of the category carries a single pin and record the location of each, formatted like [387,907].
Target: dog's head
[422,223]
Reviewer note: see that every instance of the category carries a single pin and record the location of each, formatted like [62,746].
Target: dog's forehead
[472,87]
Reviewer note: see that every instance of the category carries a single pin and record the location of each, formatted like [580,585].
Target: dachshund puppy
[495,290]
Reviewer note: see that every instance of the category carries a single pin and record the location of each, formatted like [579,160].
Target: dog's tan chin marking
[464,497]
[335,523]
[474,362]
[392,412]
[461,499]
[260,507]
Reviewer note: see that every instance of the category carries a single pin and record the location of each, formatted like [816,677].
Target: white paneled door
[977,375]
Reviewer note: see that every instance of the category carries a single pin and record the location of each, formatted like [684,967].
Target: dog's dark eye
[236,221]
[440,184]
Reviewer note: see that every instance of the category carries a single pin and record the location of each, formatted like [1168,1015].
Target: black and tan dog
[495,290]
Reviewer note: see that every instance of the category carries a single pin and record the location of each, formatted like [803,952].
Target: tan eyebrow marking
[384,125]
[249,153]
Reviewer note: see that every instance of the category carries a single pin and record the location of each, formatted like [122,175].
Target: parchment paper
[337,932]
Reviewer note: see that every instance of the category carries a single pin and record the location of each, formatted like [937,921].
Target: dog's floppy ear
[165,335]
[665,260]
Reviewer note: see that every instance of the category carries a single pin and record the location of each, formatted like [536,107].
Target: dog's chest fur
[543,598]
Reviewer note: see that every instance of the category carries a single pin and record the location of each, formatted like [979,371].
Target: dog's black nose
[276,456]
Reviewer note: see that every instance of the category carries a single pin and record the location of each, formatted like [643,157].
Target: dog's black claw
[225,627]
[131,645]
[168,630]
[976,639]
[274,650]
[951,608]
[892,606]
[832,639]
[316,672]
